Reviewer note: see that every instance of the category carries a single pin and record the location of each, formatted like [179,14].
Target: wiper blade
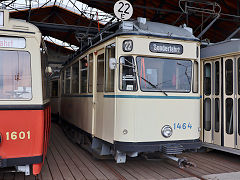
[186,67]
[155,86]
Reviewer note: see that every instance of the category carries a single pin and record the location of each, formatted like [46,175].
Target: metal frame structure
[208,12]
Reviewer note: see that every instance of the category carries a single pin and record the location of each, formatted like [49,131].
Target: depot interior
[66,24]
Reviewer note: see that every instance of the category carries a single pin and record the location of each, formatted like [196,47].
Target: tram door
[238,100]
[98,93]
[220,102]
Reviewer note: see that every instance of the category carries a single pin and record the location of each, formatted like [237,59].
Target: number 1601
[15,135]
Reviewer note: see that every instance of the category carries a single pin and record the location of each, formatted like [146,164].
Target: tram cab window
[68,80]
[110,73]
[15,75]
[83,78]
[128,80]
[75,78]
[54,88]
[90,72]
[156,74]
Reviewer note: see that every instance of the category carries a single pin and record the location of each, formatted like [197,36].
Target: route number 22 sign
[123,10]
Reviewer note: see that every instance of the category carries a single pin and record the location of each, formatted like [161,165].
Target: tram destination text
[167,48]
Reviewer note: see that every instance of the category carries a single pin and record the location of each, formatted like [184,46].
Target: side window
[100,72]
[90,77]
[63,82]
[195,77]
[54,88]
[75,78]
[68,80]
[109,74]
[207,114]
[44,64]
[207,79]
[84,69]
[229,76]
[128,80]
[217,78]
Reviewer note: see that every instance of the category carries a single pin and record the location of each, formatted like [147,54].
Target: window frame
[133,57]
[106,66]
[31,81]
[165,90]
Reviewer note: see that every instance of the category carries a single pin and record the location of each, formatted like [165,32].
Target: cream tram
[24,107]
[135,90]
[220,64]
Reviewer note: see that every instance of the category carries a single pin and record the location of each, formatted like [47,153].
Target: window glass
[207,114]
[229,76]
[63,82]
[217,124]
[128,80]
[44,65]
[15,75]
[229,116]
[109,79]
[238,116]
[207,79]
[68,80]
[217,78]
[195,77]
[75,78]
[90,79]
[54,88]
[157,74]
[238,71]
[84,69]
[100,72]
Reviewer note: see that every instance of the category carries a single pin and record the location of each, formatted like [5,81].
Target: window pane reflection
[207,114]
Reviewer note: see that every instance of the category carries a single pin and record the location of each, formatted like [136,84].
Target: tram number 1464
[182,126]
[15,135]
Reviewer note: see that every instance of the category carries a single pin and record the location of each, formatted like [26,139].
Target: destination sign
[1,18]
[158,47]
[12,42]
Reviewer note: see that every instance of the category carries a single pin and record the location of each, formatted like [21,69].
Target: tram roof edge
[221,48]
[166,30]
[138,27]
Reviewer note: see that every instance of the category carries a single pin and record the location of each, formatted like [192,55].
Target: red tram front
[24,107]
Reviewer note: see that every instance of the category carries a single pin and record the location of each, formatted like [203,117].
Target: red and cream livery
[24,107]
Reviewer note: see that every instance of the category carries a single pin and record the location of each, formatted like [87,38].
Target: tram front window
[15,75]
[156,74]
[127,73]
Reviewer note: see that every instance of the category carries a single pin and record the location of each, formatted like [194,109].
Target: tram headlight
[127,45]
[167,131]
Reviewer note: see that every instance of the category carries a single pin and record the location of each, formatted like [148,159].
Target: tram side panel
[133,112]
[25,118]
[220,81]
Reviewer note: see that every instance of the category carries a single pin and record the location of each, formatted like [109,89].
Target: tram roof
[221,48]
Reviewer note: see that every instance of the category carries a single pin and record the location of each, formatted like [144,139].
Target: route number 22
[123,10]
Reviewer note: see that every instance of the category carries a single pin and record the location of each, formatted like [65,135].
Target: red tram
[24,106]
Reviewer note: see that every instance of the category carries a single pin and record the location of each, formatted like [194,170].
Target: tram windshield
[15,75]
[156,74]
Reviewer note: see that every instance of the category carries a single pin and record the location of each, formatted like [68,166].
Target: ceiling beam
[64,28]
